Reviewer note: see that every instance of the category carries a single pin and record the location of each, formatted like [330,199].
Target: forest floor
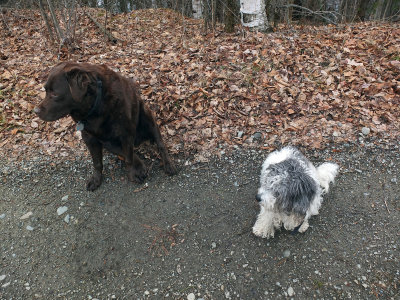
[223,102]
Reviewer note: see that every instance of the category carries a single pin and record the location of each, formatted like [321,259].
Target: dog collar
[81,124]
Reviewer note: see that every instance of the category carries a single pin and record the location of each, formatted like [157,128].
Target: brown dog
[109,111]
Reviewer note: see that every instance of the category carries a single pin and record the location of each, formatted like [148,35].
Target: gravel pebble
[191,296]
[61,210]
[290,291]
[257,135]
[365,130]
[26,216]
[66,219]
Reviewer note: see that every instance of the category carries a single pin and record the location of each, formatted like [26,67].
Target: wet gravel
[189,236]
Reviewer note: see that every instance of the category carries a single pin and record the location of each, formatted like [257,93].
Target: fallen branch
[320,14]
[102,29]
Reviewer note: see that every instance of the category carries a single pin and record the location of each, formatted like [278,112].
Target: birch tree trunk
[252,14]
[197,8]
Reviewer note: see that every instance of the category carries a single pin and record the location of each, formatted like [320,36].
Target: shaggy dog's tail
[326,174]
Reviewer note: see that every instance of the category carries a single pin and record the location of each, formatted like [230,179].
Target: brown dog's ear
[78,81]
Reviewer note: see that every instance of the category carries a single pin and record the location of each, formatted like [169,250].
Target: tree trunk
[55,21]
[230,15]
[46,20]
[252,14]
[123,6]
[197,8]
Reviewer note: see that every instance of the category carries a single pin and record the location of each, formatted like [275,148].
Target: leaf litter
[304,85]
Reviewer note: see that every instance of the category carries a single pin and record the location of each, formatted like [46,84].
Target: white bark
[252,14]
[197,9]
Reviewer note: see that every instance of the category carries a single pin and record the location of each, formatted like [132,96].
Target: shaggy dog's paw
[93,183]
[304,226]
[263,232]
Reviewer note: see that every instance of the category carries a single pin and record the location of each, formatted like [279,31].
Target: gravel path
[189,236]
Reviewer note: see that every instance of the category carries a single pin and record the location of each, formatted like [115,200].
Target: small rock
[336,133]
[393,180]
[257,135]
[146,293]
[66,219]
[286,253]
[365,130]
[191,296]
[6,284]
[240,134]
[26,216]
[213,245]
[290,291]
[2,216]
[65,198]
[30,228]
[2,277]
[61,210]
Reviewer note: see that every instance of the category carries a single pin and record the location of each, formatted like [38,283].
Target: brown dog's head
[66,87]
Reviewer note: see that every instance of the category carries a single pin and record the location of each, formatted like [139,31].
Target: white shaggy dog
[291,191]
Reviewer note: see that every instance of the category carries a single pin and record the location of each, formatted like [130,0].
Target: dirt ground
[189,236]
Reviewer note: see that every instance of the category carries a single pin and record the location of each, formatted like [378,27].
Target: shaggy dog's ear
[79,80]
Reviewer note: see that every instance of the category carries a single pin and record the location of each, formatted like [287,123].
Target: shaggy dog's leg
[264,226]
[304,226]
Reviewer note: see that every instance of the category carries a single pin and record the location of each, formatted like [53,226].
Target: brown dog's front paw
[137,174]
[93,183]
[170,169]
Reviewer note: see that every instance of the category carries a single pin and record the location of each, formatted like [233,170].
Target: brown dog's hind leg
[96,151]
[147,121]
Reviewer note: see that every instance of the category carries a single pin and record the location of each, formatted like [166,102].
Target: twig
[384,200]
[142,188]
[102,29]
[218,113]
